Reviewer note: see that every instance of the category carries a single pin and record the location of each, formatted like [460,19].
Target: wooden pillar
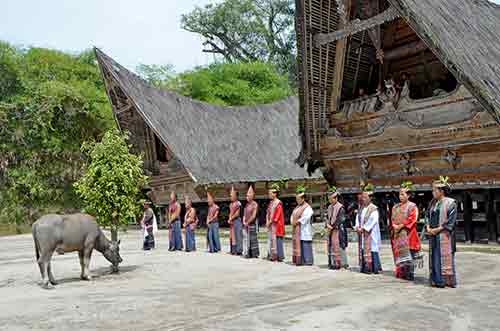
[497,216]
[468,229]
[491,217]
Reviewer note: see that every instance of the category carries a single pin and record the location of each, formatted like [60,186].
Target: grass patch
[12,229]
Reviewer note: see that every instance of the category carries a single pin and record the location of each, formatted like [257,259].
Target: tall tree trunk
[114,238]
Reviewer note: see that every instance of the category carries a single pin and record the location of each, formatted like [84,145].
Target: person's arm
[451,220]
[252,217]
[233,215]
[357,216]
[412,219]
[278,213]
[177,212]
[216,213]
[237,212]
[306,216]
[372,221]
[341,217]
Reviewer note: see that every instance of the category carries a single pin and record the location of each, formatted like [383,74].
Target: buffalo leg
[43,262]
[52,279]
[82,264]
[86,263]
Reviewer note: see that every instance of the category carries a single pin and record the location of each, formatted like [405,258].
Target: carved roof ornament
[365,168]
[407,164]
[389,97]
[452,158]
[342,11]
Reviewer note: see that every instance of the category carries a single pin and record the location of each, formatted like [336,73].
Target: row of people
[405,241]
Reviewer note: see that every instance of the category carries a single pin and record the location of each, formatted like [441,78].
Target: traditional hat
[233,190]
[209,193]
[332,191]
[368,188]
[442,182]
[275,188]
[301,190]
[251,190]
[407,186]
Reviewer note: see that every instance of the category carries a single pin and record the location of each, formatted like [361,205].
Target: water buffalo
[70,233]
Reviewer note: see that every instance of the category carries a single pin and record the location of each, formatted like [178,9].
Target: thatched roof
[465,35]
[218,144]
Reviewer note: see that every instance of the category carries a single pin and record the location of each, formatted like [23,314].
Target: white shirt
[371,225]
[306,230]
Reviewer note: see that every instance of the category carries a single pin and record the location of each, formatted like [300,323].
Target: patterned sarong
[442,257]
[273,245]
[334,253]
[365,244]
[250,240]
[296,245]
[400,242]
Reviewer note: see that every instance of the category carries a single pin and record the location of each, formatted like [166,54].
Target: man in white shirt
[368,229]
[302,236]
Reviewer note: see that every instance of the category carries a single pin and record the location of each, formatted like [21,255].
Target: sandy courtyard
[160,290]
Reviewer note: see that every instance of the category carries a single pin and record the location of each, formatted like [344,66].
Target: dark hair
[445,189]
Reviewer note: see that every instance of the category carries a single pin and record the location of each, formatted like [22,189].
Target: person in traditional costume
[235,225]
[190,223]
[213,225]
[337,232]
[368,229]
[175,228]
[302,235]
[404,236]
[250,239]
[441,220]
[275,223]
[149,226]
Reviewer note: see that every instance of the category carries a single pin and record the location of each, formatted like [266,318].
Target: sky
[130,31]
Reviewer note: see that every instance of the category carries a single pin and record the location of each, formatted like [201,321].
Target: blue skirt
[175,243]
[436,276]
[306,251]
[213,237]
[237,246]
[280,248]
[190,239]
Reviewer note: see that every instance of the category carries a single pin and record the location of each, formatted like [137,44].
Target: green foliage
[50,103]
[233,84]
[301,189]
[157,75]
[248,31]
[111,185]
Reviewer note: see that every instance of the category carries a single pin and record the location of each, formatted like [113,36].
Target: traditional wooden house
[394,90]
[189,146]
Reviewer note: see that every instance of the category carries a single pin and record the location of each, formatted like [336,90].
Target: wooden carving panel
[475,166]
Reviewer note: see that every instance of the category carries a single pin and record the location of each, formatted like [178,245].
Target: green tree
[157,75]
[248,31]
[50,103]
[112,182]
[233,84]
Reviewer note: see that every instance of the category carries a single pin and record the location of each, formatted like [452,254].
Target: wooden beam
[405,50]
[340,55]
[356,26]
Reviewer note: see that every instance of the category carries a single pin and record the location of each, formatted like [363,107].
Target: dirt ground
[160,290]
